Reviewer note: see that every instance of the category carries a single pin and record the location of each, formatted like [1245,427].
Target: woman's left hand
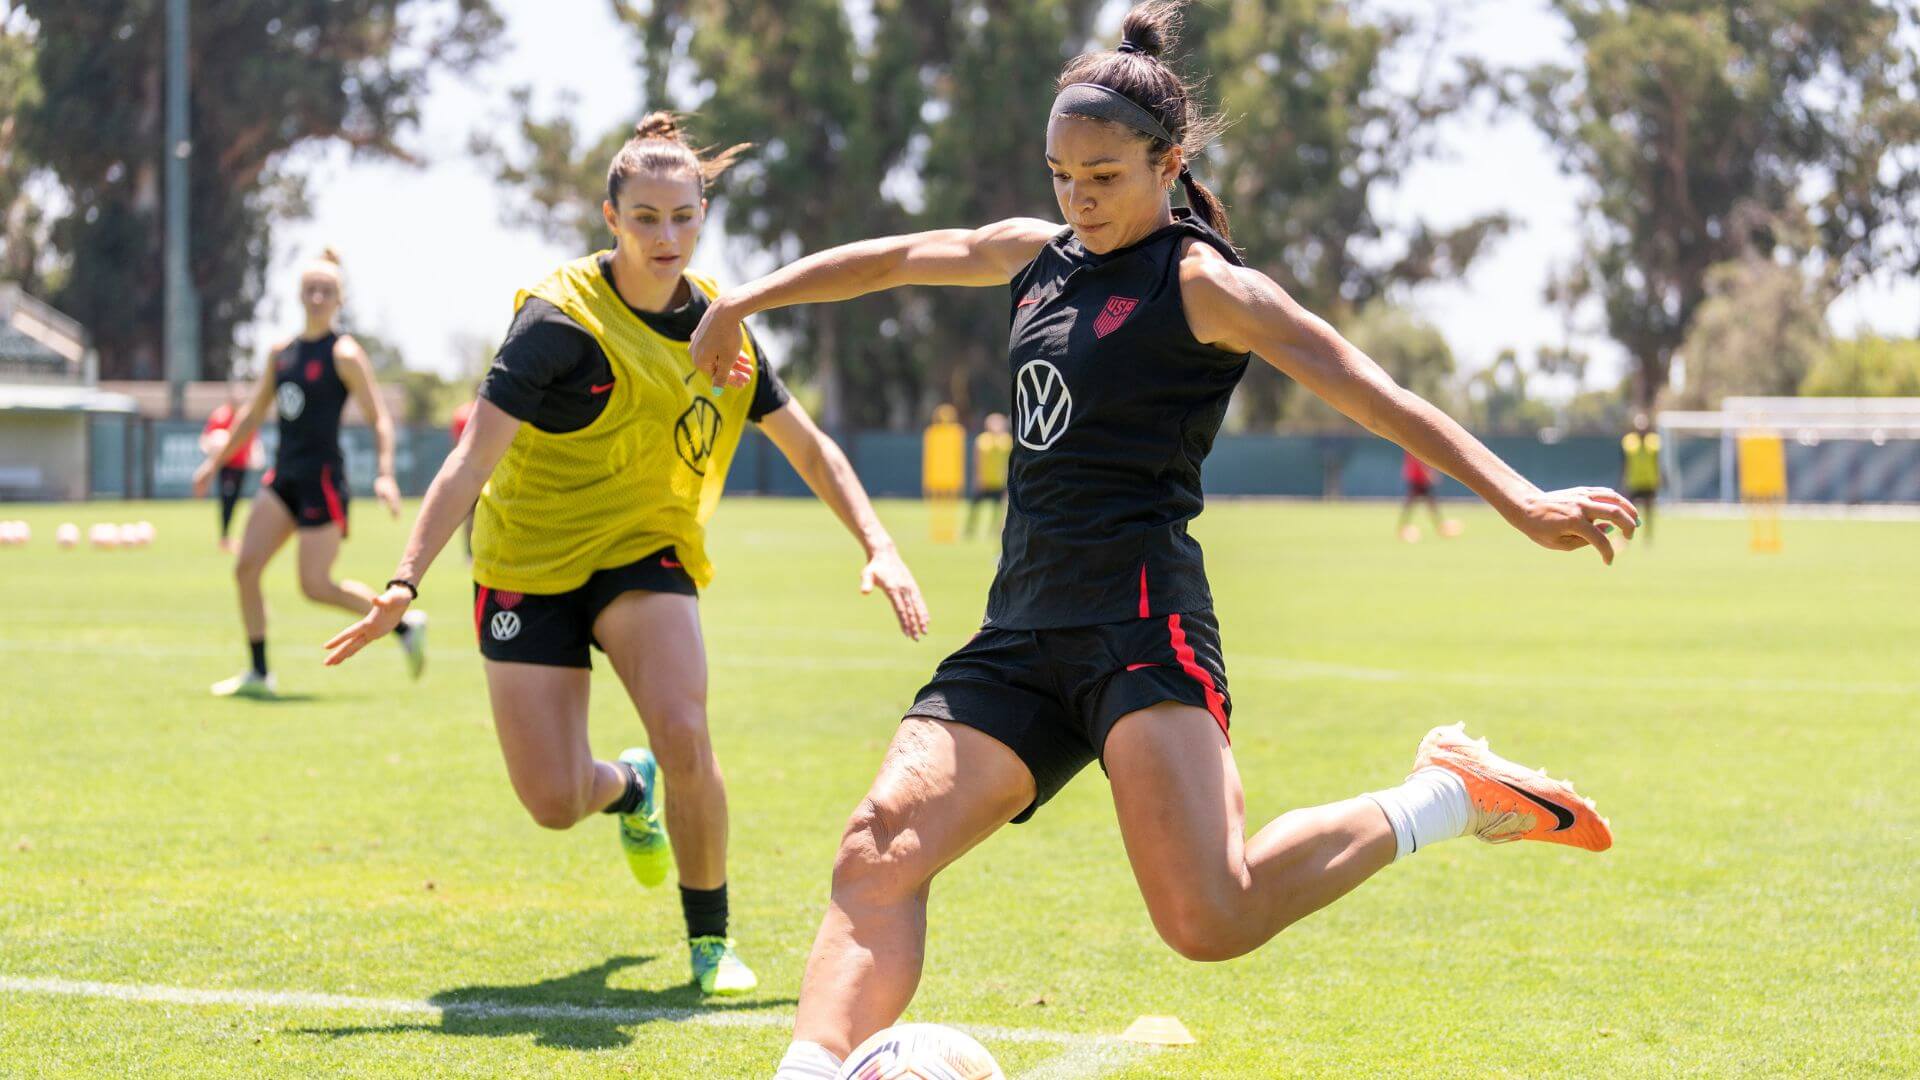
[388,492]
[888,571]
[1573,518]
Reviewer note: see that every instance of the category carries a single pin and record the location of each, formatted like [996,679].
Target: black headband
[1101,103]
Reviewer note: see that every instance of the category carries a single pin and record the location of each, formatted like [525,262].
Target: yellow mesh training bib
[1643,460]
[645,475]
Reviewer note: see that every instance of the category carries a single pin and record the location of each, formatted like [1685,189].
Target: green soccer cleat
[719,970]
[643,833]
[248,684]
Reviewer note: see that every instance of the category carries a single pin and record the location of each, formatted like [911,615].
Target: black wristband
[407,585]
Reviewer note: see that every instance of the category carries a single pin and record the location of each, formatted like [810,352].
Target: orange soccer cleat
[1511,802]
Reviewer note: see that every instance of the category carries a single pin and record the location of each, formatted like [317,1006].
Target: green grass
[1748,722]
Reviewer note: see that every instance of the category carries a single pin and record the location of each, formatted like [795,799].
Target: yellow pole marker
[1158,1031]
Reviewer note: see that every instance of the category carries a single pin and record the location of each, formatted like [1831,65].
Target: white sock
[1430,807]
[807,1061]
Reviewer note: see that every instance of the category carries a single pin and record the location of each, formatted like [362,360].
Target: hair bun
[659,125]
[1151,29]
[327,254]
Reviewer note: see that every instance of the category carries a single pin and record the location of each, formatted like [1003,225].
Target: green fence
[135,457]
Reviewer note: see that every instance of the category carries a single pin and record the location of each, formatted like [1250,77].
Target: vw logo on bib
[1044,403]
[293,401]
[505,626]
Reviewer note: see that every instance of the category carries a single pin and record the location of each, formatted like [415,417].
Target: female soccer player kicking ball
[597,454]
[1130,328]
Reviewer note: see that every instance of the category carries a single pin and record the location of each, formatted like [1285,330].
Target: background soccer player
[306,383]
[233,474]
[991,449]
[1130,329]
[597,454]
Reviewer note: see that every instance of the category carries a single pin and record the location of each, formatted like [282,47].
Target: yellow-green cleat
[643,833]
[247,684]
[718,969]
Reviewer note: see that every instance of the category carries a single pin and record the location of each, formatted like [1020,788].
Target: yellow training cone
[1158,1031]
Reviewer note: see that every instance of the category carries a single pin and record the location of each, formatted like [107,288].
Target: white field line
[1085,1056]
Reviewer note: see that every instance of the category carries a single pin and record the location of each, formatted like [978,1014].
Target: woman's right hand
[203,478]
[715,347]
[378,622]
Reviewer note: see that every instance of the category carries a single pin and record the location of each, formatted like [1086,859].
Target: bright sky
[431,267]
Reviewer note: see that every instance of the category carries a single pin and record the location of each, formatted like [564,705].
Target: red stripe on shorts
[1146,610]
[479,609]
[1190,664]
[334,511]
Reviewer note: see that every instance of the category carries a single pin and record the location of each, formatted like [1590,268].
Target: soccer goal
[1832,452]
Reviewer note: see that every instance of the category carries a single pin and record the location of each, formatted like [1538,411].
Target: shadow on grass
[577,1011]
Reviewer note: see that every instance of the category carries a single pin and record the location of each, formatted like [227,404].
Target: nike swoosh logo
[1560,813]
[1028,302]
[600,389]
[669,563]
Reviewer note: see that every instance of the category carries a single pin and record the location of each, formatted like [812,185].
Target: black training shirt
[546,367]
[308,398]
[1116,406]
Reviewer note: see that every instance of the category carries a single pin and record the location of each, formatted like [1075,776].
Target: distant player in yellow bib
[1640,470]
[597,454]
[992,449]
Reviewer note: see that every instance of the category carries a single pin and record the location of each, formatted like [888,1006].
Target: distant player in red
[1420,481]
[457,427]
[233,474]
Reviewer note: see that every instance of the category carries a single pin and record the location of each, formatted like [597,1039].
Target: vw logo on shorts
[1044,404]
[293,401]
[505,626]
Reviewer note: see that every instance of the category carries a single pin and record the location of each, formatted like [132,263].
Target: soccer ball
[920,1052]
[67,536]
[104,536]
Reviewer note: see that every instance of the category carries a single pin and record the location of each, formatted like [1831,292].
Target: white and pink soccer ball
[104,536]
[920,1052]
[14,532]
[67,535]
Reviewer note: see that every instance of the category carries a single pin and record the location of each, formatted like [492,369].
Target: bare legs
[1212,892]
[918,817]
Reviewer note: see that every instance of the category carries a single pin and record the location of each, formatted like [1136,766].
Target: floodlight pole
[182,305]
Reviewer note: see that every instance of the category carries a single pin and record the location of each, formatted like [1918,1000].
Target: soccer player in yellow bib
[597,453]
[943,470]
[1640,470]
[992,448]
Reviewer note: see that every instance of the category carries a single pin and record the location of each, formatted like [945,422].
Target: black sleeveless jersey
[309,398]
[1116,406]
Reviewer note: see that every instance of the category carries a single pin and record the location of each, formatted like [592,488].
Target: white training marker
[1158,1031]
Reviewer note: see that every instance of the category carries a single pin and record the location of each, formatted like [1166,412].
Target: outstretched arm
[1243,310]
[821,463]
[989,255]
[244,425]
[449,498]
[356,371]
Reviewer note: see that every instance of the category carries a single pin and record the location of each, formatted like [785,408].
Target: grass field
[343,884]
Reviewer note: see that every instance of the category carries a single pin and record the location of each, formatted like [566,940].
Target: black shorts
[1052,696]
[231,480]
[556,629]
[989,494]
[1419,490]
[1642,495]
[314,497]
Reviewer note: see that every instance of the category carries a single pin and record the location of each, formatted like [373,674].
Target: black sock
[706,911]
[259,656]
[403,630]
[629,799]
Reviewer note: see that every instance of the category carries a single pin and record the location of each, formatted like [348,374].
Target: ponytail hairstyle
[659,147]
[1135,71]
[327,265]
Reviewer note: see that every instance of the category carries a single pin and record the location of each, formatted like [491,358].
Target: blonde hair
[659,146]
[327,265]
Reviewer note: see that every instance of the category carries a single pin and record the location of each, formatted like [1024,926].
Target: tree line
[1742,163]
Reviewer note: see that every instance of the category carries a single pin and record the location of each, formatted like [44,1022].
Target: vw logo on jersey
[293,401]
[1044,403]
[505,626]
[696,433]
